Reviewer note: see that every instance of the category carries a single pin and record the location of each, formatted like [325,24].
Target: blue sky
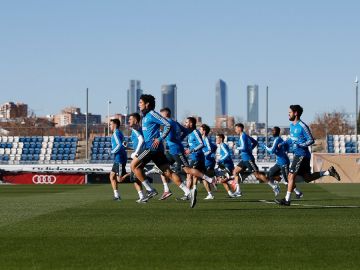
[308,52]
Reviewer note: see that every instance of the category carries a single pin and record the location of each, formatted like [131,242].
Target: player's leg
[114,180]
[137,167]
[237,170]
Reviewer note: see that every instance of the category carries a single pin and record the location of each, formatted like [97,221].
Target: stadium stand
[37,149]
[343,144]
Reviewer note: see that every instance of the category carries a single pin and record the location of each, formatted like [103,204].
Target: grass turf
[80,227]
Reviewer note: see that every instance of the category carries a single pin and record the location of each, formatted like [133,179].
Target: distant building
[133,96]
[11,110]
[253,103]
[122,118]
[169,98]
[224,122]
[221,105]
[73,116]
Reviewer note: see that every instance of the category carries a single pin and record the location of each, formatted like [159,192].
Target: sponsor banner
[59,168]
[347,165]
[44,179]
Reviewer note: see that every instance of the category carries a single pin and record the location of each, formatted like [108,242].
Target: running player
[119,152]
[225,164]
[300,139]
[176,149]
[138,142]
[246,146]
[153,148]
[197,164]
[209,151]
[281,168]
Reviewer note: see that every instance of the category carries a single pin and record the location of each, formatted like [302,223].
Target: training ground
[80,227]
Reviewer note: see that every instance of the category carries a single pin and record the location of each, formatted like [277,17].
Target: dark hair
[148,99]
[220,135]
[206,128]
[136,116]
[116,122]
[240,125]
[193,121]
[167,110]
[298,109]
[277,131]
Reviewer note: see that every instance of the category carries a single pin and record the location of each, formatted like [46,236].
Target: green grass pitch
[80,227]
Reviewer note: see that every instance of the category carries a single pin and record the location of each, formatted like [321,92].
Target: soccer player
[176,149]
[225,163]
[153,148]
[281,168]
[119,152]
[245,146]
[138,142]
[209,151]
[301,138]
[197,164]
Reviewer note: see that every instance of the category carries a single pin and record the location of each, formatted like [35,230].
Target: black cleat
[334,173]
[283,202]
[299,196]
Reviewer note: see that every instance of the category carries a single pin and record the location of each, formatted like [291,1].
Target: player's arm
[241,146]
[272,149]
[184,132]
[225,153]
[208,147]
[140,139]
[254,143]
[200,143]
[308,136]
[118,141]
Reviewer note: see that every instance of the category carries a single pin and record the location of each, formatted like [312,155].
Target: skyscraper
[221,105]
[169,98]
[133,96]
[253,103]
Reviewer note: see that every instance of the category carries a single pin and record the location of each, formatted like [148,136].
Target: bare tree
[330,123]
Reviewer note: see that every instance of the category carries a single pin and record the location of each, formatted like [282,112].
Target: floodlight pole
[267,118]
[356,111]
[87,126]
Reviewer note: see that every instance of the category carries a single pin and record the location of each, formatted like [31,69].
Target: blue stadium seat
[73,144]
[61,145]
[53,157]
[73,151]
[108,139]
[59,156]
[66,151]
[102,139]
[93,157]
[2,145]
[29,157]
[37,151]
[65,157]
[56,145]
[97,139]
[31,151]
[38,145]
[55,151]
[60,151]
[22,139]
[36,157]
[23,158]
[62,139]
[99,156]
[101,150]
[67,145]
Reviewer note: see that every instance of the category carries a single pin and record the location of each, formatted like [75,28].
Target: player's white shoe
[276,190]
[209,197]
[237,194]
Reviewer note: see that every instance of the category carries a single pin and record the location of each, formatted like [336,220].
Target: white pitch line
[315,205]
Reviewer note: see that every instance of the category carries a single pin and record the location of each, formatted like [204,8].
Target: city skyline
[221,102]
[306,52]
[169,98]
[252,100]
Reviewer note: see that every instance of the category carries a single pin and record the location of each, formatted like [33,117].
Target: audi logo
[44,179]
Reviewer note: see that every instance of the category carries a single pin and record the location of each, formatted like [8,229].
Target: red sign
[44,179]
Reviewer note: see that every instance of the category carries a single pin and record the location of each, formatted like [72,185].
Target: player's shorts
[180,159]
[210,170]
[158,157]
[223,171]
[198,164]
[119,171]
[248,164]
[278,170]
[300,166]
